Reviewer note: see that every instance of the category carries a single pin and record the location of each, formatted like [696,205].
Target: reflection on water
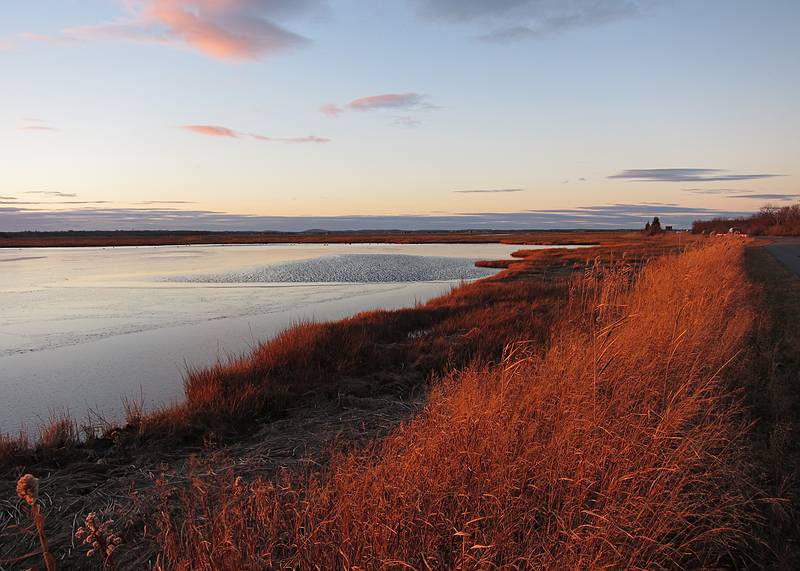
[352,268]
[82,328]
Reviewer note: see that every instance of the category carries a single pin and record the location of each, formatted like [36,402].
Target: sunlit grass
[619,446]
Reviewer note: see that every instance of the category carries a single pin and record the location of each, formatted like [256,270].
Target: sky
[411,114]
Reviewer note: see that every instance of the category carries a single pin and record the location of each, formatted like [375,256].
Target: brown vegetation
[619,446]
[611,433]
[162,238]
[28,491]
[113,473]
[769,221]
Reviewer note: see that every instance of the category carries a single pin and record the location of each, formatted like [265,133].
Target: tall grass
[619,446]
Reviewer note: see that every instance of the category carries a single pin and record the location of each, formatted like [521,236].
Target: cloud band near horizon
[612,216]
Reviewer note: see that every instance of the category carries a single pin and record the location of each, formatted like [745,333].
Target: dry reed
[28,491]
[620,446]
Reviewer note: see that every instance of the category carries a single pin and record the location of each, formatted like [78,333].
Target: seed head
[98,536]
[238,486]
[28,488]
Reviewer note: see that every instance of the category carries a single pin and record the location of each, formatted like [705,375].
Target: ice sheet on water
[354,268]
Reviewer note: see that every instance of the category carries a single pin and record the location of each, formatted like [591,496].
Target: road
[787,251]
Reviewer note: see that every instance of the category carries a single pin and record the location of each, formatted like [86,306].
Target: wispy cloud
[603,216]
[686,175]
[146,202]
[390,101]
[506,20]
[768,196]
[217,131]
[35,125]
[405,121]
[211,130]
[743,193]
[222,29]
[384,102]
[37,128]
[331,110]
[716,191]
[490,191]
[307,139]
[52,193]
[52,202]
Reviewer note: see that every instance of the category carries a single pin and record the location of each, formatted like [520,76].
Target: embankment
[621,445]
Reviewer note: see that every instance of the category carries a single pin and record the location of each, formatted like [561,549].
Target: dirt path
[772,393]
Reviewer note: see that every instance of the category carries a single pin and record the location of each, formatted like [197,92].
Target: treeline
[769,221]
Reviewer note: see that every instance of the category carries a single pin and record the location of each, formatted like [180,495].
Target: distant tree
[769,214]
[655,227]
[770,221]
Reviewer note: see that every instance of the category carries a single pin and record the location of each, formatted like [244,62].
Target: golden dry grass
[619,446]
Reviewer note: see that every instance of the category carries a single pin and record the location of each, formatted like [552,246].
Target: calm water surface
[83,328]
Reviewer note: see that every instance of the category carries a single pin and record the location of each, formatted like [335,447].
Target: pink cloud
[222,29]
[35,125]
[211,130]
[331,110]
[385,101]
[217,131]
[388,101]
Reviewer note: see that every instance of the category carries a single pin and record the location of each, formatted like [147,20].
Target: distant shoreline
[76,239]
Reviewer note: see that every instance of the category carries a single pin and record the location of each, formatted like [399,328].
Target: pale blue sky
[560,96]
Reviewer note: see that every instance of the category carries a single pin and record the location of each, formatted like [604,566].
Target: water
[81,328]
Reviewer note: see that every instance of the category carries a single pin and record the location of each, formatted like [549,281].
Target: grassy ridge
[619,446]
